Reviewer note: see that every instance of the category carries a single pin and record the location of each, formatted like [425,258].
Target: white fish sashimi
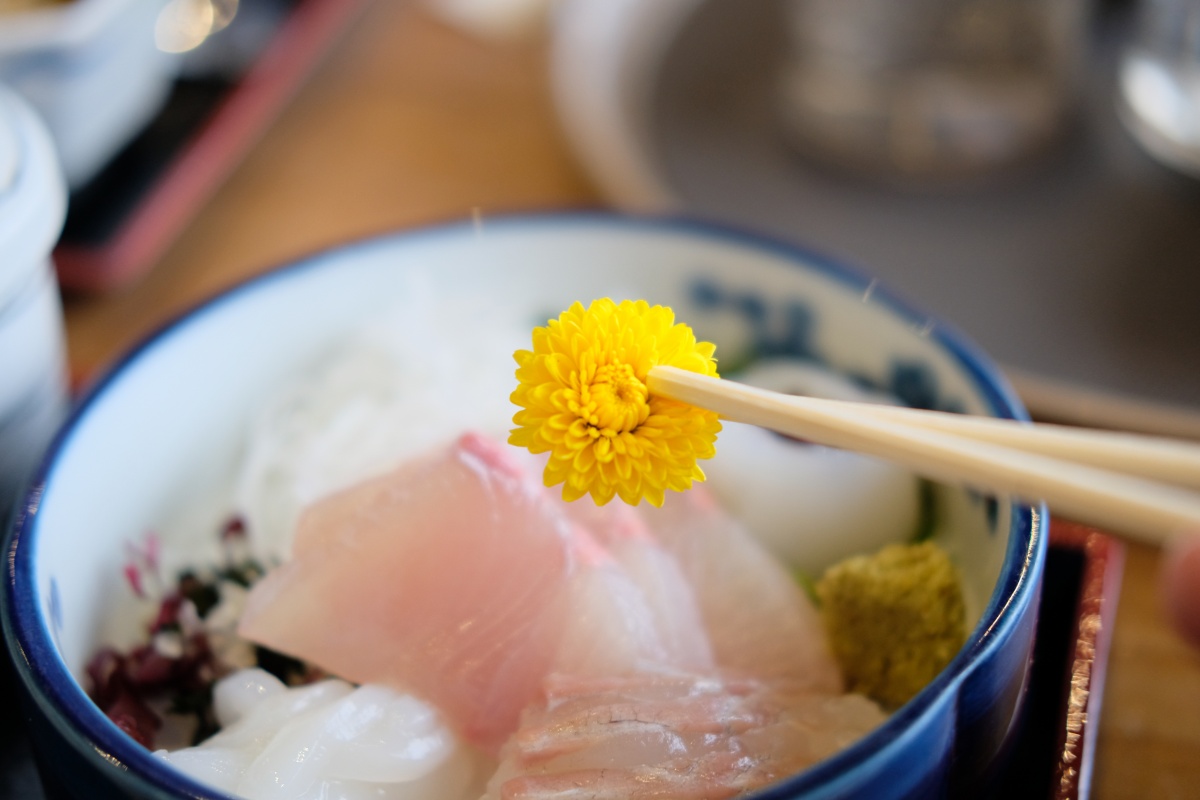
[769,707]
[603,653]
[455,577]
[613,630]
[657,581]
[445,578]
[675,737]
[759,620]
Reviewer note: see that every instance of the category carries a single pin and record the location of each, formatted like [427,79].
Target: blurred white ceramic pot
[33,394]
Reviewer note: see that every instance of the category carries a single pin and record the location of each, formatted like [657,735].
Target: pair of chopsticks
[1131,484]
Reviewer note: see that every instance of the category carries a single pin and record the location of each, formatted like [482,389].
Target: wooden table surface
[408,121]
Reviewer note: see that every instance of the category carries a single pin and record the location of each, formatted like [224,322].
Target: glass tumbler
[929,89]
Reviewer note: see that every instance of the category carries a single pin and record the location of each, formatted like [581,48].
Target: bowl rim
[45,678]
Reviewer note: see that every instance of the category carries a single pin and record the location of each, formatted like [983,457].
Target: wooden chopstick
[1069,480]
[1160,459]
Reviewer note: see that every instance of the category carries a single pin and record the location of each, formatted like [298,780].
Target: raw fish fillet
[656,573]
[657,656]
[614,629]
[446,577]
[770,706]
[455,577]
[683,737]
[759,620]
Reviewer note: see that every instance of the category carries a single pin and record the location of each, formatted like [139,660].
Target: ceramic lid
[33,194]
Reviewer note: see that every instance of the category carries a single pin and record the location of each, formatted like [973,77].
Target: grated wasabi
[895,619]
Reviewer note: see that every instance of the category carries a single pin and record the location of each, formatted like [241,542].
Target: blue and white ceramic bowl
[170,417]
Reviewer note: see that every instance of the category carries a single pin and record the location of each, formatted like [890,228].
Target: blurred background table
[408,121]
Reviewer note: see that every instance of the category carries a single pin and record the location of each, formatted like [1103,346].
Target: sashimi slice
[656,574]
[445,577]
[373,735]
[329,740]
[223,758]
[678,737]
[461,579]
[759,620]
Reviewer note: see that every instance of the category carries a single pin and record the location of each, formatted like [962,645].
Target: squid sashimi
[684,737]
[759,620]
[458,578]
[327,740]
[225,757]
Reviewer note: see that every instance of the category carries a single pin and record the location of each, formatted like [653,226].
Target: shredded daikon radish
[376,399]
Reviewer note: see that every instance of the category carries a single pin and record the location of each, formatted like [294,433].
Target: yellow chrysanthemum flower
[582,391]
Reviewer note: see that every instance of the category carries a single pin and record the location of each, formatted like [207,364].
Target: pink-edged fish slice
[446,577]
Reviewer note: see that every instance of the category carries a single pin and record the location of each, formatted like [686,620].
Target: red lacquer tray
[1055,751]
[121,223]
